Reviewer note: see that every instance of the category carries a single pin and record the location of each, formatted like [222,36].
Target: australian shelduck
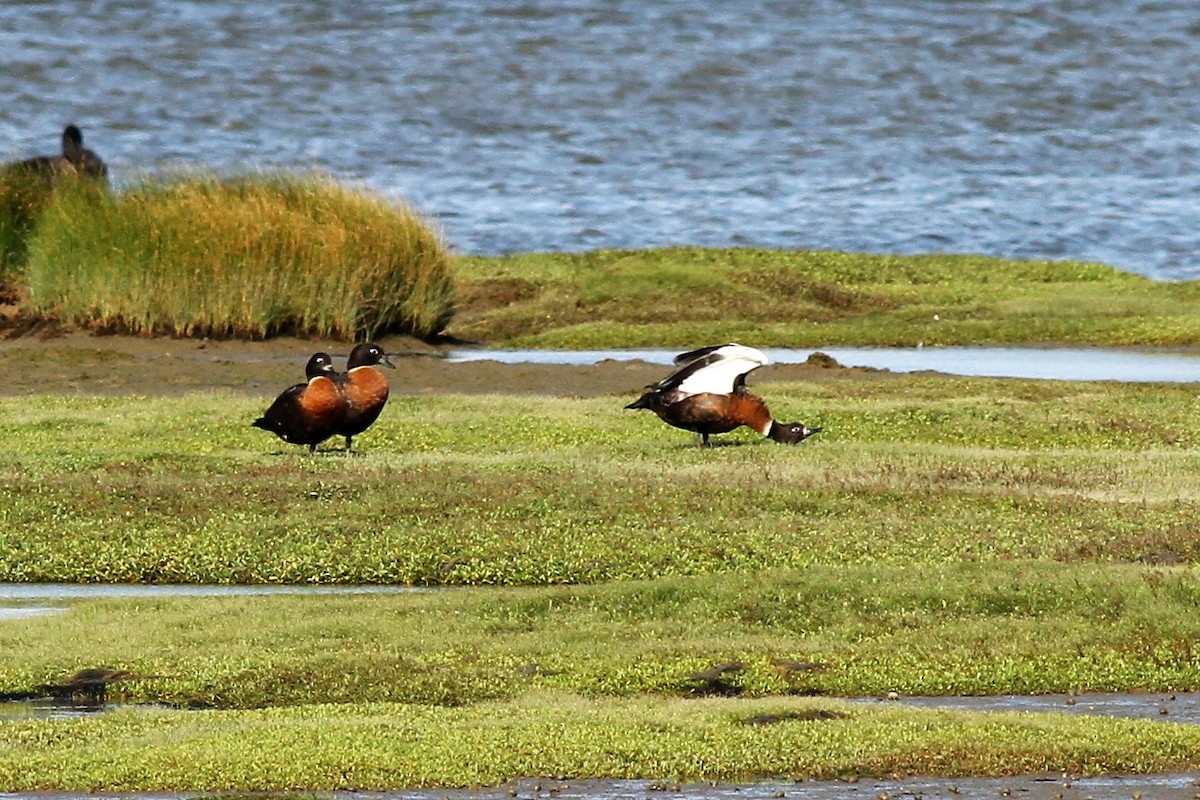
[707,394]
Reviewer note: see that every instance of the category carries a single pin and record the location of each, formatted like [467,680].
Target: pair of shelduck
[330,403]
[706,395]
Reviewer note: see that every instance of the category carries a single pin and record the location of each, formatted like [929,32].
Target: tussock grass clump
[23,196]
[250,256]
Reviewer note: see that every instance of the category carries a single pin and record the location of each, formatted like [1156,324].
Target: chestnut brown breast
[366,391]
[718,413]
[322,404]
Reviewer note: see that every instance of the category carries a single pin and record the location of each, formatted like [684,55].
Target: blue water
[1054,363]
[1024,128]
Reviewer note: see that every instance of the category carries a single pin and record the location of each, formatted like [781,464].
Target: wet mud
[82,363]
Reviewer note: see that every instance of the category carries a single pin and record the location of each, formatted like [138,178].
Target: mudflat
[84,363]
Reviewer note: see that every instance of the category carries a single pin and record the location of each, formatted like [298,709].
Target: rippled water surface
[1027,128]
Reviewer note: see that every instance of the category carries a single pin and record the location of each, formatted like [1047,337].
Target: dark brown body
[366,391]
[75,159]
[307,413]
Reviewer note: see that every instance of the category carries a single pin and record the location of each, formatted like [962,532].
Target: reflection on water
[1060,363]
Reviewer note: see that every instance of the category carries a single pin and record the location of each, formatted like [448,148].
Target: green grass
[252,257]
[943,535]
[682,297]
[475,688]
[23,196]
[513,490]
[1019,627]
[384,746]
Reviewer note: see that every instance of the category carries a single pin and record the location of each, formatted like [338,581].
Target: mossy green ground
[942,535]
[494,489]
[383,746]
[683,296]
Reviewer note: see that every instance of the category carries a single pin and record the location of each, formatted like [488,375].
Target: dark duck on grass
[707,395]
[365,389]
[75,159]
[308,413]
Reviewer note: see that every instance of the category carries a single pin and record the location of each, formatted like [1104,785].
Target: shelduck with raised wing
[707,395]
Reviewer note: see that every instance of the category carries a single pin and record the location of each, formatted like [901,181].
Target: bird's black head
[790,432]
[368,355]
[85,161]
[319,364]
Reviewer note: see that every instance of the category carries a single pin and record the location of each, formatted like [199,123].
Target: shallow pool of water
[27,600]
[91,591]
[1160,787]
[1059,363]
[1181,707]
[26,612]
[1035,787]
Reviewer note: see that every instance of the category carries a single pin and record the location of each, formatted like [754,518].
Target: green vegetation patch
[249,256]
[23,195]
[971,629]
[680,297]
[387,746]
[942,535]
[490,489]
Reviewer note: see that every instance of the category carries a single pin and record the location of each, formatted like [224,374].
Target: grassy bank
[260,256]
[684,296]
[997,628]
[251,257]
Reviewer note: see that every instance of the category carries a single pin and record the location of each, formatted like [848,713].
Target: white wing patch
[722,368]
